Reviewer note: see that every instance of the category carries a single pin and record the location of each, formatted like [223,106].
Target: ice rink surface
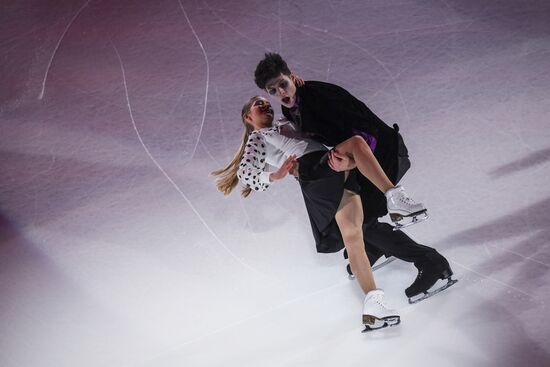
[117,250]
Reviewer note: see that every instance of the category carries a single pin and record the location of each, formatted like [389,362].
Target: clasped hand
[340,162]
[290,165]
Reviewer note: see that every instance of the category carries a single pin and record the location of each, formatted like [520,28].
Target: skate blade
[375,267]
[384,263]
[415,219]
[378,324]
[428,294]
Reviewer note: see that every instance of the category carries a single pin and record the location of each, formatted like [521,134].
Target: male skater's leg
[431,265]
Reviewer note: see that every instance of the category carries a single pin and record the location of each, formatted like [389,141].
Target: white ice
[116,249]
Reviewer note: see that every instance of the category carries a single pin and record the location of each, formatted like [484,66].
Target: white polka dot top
[271,147]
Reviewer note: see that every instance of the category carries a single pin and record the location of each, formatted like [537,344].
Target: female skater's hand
[297,80]
[288,166]
[340,162]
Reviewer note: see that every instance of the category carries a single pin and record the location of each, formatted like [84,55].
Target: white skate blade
[375,323]
[414,219]
[383,263]
[377,265]
[438,287]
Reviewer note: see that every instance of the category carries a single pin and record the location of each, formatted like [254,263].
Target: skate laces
[405,199]
[400,195]
[379,299]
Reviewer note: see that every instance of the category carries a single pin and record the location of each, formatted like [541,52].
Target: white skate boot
[376,314]
[401,206]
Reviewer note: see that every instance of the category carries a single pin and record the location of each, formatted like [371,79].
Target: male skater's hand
[296,80]
[288,166]
[340,162]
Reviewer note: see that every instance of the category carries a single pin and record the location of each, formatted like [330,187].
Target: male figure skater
[331,115]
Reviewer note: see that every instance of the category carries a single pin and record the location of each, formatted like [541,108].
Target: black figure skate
[429,274]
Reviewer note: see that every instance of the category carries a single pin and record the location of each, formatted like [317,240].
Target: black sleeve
[286,113]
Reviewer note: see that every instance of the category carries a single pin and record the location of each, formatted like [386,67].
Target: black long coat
[332,113]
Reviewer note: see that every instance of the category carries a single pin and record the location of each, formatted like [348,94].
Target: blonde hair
[228,175]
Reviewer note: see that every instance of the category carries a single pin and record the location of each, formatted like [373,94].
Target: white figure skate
[376,314]
[404,211]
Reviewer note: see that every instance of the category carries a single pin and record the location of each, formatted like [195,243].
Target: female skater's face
[260,114]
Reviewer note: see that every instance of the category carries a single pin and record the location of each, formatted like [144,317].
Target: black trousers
[380,239]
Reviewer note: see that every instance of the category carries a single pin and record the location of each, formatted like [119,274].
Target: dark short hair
[270,67]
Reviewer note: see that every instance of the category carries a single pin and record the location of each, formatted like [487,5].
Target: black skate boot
[428,275]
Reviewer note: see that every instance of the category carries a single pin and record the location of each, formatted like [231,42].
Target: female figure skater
[328,194]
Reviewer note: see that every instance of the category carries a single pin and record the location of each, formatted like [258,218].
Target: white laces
[404,198]
[407,200]
[379,299]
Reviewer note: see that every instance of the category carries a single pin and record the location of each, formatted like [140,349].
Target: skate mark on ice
[307,67]
[393,78]
[435,28]
[191,71]
[328,68]
[220,116]
[492,279]
[244,35]
[201,219]
[41,95]
[280,25]
[207,151]
[295,25]
[20,36]
[258,315]
[285,22]
[178,101]
[108,102]
[248,38]
[207,77]
[530,258]
[409,65]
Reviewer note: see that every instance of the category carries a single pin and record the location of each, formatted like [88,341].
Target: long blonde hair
[228,175]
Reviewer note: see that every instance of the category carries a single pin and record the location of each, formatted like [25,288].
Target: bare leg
[376,314]
[366,162]
[349,218]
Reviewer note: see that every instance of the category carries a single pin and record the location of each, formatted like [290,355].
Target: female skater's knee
[350,144]
[355,144]
[357,140]
[352,233]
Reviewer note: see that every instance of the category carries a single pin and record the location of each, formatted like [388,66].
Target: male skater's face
[282,89]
